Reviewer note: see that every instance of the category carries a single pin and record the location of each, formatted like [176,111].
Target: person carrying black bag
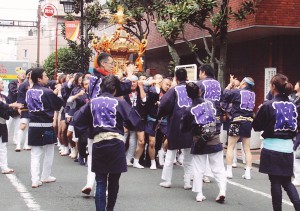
[200,117]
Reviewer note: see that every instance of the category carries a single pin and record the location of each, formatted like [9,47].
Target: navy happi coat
[210,90]
[5,112]
[95,83]
[243,102]
[107,114]
[173,105]
[277,118]
[41,103]
[200,113]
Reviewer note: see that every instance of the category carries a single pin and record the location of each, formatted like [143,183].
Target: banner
[72,30]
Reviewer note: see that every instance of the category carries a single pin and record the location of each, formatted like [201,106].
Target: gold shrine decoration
[120,45]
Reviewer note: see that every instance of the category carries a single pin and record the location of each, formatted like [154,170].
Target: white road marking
[27,197]
[257,192]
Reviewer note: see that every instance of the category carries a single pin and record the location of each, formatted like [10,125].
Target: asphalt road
[139,190]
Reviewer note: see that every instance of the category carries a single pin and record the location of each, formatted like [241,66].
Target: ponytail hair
[282,85]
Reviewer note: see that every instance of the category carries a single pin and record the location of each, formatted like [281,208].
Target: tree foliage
[137,16]
[66,62]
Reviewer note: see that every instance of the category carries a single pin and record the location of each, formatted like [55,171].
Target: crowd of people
[105,122]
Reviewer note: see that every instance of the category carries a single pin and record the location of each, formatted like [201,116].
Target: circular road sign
[48,11]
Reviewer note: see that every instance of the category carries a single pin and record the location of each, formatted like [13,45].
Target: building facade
[268,39]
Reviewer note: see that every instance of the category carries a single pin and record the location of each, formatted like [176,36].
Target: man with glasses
[105,67]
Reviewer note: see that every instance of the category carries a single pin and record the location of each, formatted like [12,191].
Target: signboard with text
[191,71]
[269,73]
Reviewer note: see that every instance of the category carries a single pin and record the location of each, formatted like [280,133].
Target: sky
[25,10]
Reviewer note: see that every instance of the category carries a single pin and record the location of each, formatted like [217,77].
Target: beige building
[27,46]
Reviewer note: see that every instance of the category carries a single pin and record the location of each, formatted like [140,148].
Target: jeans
[276,192]
[113,189]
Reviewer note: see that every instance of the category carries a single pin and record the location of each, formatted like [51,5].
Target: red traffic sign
[48,10]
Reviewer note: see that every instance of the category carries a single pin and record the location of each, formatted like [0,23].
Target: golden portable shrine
[120,45]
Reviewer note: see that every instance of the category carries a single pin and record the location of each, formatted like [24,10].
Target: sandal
[8,171]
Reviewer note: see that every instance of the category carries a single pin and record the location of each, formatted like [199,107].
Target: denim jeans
[113,189]
[276,192]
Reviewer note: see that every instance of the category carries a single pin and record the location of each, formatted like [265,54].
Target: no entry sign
[48,10]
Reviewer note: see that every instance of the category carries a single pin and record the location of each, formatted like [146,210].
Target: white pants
[168,167]
[90,175]
[296,169]
[13,125]
[208,171]
[217,167]
[132,145]
[3,156]
[36,154]
[23,134]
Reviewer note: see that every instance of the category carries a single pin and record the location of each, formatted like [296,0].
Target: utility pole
[38,35]
[81,36]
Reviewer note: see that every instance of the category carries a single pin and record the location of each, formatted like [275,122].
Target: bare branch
[205,43]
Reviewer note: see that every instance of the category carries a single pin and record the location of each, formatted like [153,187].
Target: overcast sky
[18,10]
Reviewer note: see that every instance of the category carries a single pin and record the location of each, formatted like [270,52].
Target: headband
[247,80]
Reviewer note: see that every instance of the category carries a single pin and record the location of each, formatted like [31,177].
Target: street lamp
[68,8]
[68,5]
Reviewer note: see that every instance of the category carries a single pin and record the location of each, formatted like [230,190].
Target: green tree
[66,62]
[137,16]
[215,21]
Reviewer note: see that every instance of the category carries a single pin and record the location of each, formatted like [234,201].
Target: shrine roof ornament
[120,44]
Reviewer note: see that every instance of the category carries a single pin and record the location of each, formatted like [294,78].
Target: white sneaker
[246,176]
[229,175]
[128,162]
[137,165]
[165,184]
[200,198]
[187,186]
[36,184]
[49,179]
[296,183]
[206,179]
[153,166]
[234,165]
[74,153]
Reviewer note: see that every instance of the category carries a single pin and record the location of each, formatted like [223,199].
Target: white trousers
[208,171]
[3,156]
[132,145]
[296,169]
[217,167]
[22,135]
[168,167]
[36,154]
[90,175]
[13,125]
